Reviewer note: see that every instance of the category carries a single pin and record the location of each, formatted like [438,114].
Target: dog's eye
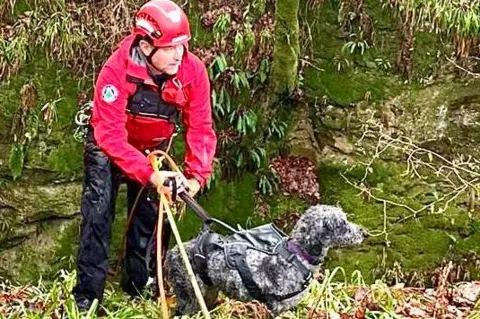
[342,224]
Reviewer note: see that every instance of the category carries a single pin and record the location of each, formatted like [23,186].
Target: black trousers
[101,183]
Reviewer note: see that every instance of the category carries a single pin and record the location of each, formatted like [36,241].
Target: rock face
[444,116]
[33,220]
[38,250]
[301,141]
[408,169]
[23,206]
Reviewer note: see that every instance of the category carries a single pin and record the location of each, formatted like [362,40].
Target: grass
[326,298]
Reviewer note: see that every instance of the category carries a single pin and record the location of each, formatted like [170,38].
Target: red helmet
[164,22]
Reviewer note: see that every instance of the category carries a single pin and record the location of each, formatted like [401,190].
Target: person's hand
[157,179]
[193,186]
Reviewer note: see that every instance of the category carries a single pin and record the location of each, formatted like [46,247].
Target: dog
[279,279]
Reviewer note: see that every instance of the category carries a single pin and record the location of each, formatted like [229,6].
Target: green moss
[469,244]
[16,160]
[349,85]
[232,202]
[425,53]
[66,158]
[421,249]
[365,74]
[283,79]
[54,84]
[416,244]
[281,205]
[201,38]
[22,6]
[38,257]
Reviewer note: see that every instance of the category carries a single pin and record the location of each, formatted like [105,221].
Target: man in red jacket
[139,94]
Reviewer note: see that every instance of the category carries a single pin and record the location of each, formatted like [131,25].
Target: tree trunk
[284,77]
[404,62]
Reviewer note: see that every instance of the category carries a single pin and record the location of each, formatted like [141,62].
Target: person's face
[166,60]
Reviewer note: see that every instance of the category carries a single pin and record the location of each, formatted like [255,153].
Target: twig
[475,75]
[376,156]
[365,190]
[311,65]
[436,155]
[447,171]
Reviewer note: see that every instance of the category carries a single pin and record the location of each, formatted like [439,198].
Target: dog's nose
[365,233]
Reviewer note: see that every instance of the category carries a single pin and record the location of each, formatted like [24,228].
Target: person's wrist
[194,186]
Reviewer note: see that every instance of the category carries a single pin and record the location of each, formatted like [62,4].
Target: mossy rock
[55,151]
[416,244]
[36,257]
[232,202]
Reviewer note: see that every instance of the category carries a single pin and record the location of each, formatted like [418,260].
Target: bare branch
[475,75]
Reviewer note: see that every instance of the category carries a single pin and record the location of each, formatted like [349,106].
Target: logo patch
[109,93]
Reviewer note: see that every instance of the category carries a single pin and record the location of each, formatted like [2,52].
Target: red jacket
[123,140]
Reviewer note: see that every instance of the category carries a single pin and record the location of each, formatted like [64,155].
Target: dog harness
[267,239]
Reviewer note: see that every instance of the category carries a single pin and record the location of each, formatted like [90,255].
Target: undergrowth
[350,298]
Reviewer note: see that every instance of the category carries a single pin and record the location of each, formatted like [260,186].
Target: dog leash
[202,213]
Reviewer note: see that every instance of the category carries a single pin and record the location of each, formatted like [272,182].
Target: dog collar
[295,248]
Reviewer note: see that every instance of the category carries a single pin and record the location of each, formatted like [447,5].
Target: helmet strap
[152,53]
[154,50]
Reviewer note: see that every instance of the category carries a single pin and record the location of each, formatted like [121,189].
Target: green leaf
[244,80]
[256,158]
[16,160]
[222,63]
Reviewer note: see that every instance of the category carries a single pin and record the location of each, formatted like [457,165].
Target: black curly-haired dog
[278,278]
